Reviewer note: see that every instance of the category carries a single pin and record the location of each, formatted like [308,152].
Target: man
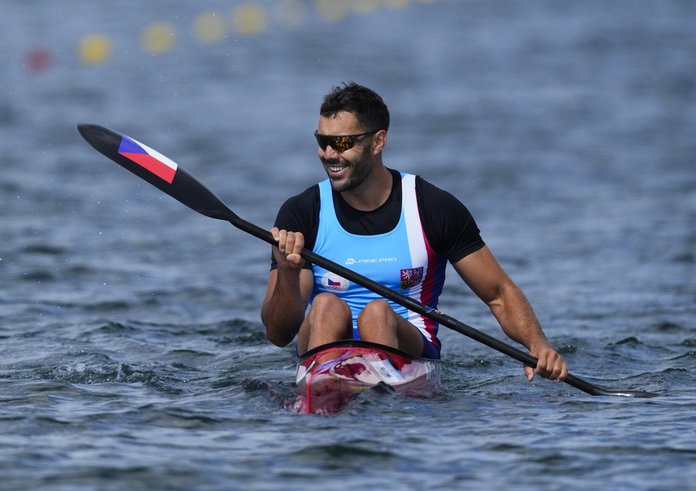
[394,228]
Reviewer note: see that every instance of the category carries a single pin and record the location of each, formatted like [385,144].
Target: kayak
[330,375]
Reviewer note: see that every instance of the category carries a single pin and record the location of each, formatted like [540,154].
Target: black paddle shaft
[191,192]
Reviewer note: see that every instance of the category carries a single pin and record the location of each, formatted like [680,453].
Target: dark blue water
[132,352]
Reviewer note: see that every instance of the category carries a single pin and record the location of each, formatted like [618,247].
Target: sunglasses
[340,143]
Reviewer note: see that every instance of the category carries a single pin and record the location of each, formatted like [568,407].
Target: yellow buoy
[158,38]
[249,19]
[94,49]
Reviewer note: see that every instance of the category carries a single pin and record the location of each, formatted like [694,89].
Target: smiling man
[392,227]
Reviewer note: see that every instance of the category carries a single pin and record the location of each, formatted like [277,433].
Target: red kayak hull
[331,375]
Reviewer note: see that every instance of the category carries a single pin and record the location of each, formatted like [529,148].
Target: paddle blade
[157,169]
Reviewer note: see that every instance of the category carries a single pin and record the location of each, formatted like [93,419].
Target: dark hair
[366,104]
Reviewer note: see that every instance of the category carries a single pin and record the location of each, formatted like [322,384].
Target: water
[132,352]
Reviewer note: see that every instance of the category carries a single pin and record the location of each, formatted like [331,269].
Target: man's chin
[338,185]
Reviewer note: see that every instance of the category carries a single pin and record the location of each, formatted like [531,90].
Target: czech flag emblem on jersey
[150,159]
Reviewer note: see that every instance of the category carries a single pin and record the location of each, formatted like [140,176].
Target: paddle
[168,176]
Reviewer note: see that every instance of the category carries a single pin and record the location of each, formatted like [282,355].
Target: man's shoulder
[436,197]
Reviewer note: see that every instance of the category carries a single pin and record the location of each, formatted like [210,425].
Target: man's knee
[330,304]
[376,309]
[329,320]
[377,319]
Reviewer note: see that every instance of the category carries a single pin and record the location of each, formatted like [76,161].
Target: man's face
[347,169]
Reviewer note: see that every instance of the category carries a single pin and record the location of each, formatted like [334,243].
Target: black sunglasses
[340,143]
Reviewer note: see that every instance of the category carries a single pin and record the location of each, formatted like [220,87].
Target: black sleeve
[449,226]
[300,214]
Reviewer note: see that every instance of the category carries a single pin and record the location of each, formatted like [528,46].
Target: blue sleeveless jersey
[400,259]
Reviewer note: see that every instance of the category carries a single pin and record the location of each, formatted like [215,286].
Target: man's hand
[287,251]
[549,365]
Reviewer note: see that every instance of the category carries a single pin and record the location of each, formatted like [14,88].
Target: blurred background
[566,127]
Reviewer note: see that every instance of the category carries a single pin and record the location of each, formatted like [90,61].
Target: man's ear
[379,141]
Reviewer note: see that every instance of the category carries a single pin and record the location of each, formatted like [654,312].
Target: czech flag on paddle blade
[146,157]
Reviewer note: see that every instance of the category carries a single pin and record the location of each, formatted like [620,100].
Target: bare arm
[484,275]
[288,290]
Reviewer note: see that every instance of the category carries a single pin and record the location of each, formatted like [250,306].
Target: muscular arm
[484,275]
[288,290]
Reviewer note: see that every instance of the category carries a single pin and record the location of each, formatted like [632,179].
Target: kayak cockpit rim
[358,343]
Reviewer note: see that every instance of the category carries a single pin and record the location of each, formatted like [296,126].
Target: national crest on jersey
[400,259]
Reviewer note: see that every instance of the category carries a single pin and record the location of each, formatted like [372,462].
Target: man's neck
[373,192]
